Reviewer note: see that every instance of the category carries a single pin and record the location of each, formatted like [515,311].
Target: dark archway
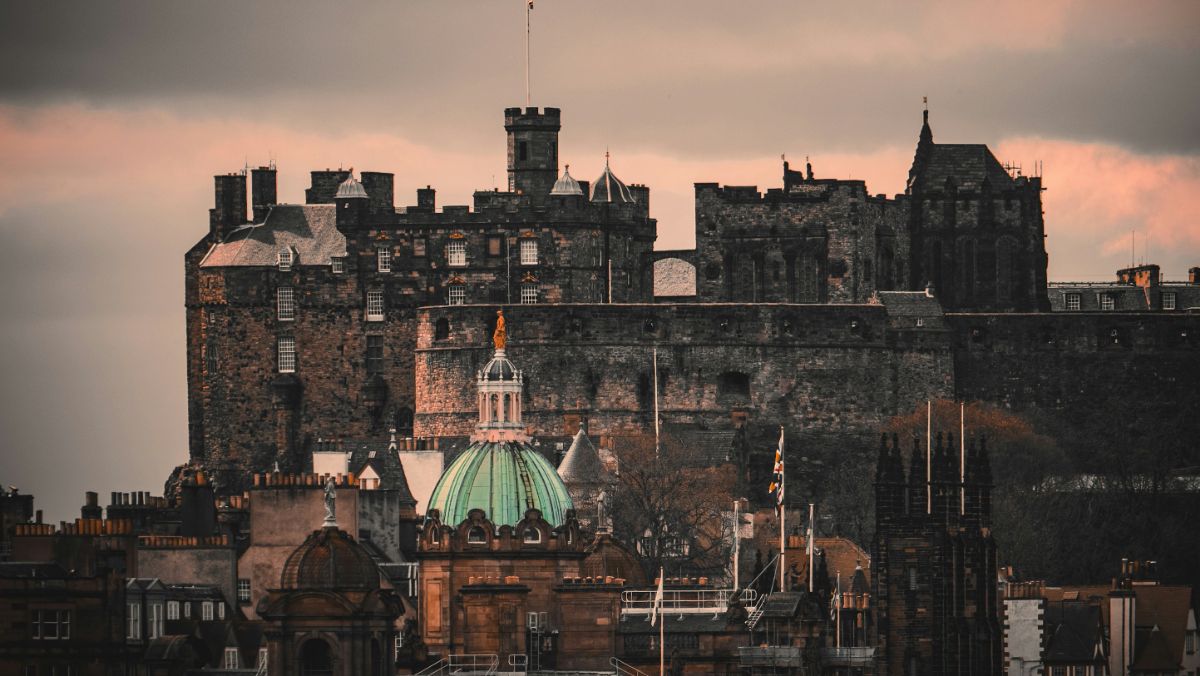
[316,659]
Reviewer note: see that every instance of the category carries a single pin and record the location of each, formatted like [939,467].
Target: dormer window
[532,536]
[383,259]
[476,536]
[285,259]
[337,265]
[1108,301]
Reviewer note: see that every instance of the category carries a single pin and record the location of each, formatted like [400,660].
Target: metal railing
[676,601]
[848,656]
[770,656]
[518,663]
[625,669]
[475,663]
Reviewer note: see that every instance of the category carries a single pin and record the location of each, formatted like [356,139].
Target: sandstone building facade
[816,305]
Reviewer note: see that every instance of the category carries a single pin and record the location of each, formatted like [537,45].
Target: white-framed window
[529,251]
[287,354]
[220,611]
[285,304]
[231,659]
[187,608]
[155,624]
[337,265]
[457,294]
[383,259]
[243,590]
[476,536]
[397,645]
[375,305]
[172,610]
[456,253]
[529,293]
[1108,301]
[133,621]
[206,611]
[920,321]
[1168,300]
[532,536]
[285,259]
[50,625]
[1073,301]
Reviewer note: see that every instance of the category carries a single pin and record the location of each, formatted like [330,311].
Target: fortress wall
[821,368]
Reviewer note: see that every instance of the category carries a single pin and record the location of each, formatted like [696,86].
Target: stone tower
[532,150]
[935,561]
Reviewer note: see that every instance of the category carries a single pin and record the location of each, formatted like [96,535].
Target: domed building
[330,616]
[501,546]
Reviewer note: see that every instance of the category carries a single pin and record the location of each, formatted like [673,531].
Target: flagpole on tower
[779,504]
[528,11]
[812,548]
[962,458]
[928,457]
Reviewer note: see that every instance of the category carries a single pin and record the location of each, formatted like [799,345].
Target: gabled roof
[967,163]
[582,462]
[1074,631]
[385,461]
[310,229]
[842,555]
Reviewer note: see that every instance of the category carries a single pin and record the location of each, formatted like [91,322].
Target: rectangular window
[383,259]
[155,625]
[206,611]
[243,590]
[1073,301]
[231,658]
[337,265]
[912,579]
[374,355]
[529,294]
[494,246]
[1168,300]
[457,295]
[262,660]
[375,305]
[50,625]
[529,252]
[456,253]
[172,610]
[133,628]
[419,247]
[210,353]
[285,304]
[287,354]
[1108,301]
[220,611]
[285,259]
[187,609]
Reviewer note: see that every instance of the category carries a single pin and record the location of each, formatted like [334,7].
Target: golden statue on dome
[500,337]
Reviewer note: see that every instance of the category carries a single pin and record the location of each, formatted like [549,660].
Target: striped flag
[776,489]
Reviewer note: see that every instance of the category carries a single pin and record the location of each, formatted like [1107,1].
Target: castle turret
[532,150]
[352,204]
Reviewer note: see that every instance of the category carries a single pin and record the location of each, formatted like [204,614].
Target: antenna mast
[528,11]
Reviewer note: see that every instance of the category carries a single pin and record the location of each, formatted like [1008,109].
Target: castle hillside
[815,304]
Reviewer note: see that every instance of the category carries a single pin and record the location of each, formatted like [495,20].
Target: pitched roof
[967,163]
[582,462]
[309,229]
[842,555]
[1074,629]
[385,460]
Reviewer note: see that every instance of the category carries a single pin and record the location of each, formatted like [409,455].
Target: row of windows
[155,619]
[456,252]
[286,358]
[50,625]
[1108,301]
[456,294]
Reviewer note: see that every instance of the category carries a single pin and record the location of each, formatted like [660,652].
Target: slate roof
[968,163]
[609,188]
[582,462]
[841,555]
[1074,631]
[782,605]
[705,448]
[386,463]
[905,307]
[309,229]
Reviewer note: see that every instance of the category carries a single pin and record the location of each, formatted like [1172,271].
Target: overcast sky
[115,115]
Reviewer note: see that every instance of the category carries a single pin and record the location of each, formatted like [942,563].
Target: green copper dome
[503,479]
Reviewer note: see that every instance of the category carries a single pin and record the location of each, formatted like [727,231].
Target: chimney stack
[426,198]
[262,195]
[229,210]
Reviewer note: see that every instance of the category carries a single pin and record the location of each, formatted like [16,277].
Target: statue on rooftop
[330,507]
[500,337]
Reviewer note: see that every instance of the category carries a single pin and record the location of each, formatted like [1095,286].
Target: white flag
[658,600]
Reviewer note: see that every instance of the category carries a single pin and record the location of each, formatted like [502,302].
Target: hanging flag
[656,609]
[776,489]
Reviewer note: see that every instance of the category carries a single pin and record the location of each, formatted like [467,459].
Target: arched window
[506,414]
[476,536]
[532,536]
[315,658]
[495,408]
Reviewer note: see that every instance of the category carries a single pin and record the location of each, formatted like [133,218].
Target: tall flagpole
[838,606]
[782,515]
[811,548]
[928,457]
[528,9]
[662,625]
[736,542]
[655,365]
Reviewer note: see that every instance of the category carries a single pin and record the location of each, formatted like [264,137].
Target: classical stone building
[816,305]
[934,561]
